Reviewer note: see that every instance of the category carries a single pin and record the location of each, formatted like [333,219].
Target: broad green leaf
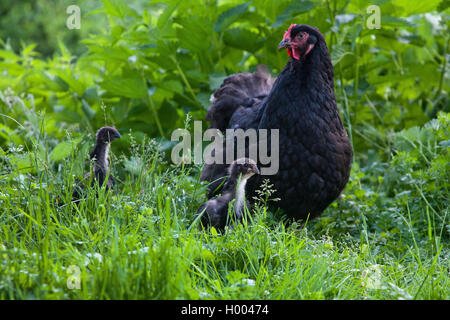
[74,84]
[295,8]
[126,87]
[87,110]
[64,149]
[230,16]
[360,6]
[110,54]
[29,50]
[8,134]
[415,7]
[90,93]
[194,34]
[9,55]
[338,54]
[242,39]
[172,86]
[117,31]
[216,79]
[387,20]
[118,8]
[68,116]
[203,98]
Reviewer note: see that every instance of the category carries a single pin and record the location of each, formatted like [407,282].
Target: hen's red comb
[286,34]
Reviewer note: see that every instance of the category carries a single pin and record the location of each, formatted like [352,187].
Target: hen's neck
[314,69]
[305,83]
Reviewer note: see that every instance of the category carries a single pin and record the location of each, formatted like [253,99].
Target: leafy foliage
[156,62]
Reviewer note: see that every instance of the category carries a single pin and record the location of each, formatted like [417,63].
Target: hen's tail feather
[240,90]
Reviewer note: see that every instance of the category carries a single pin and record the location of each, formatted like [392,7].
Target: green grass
[141,241]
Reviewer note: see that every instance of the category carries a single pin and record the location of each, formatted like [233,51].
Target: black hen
[215,211]
[99,155]
[315,154]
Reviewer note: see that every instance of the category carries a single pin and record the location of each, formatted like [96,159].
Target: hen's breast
[314,159]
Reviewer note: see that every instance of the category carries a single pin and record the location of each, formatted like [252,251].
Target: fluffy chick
[99,155]
[215,211]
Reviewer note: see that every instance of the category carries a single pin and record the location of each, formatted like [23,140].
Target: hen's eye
[301,35]
[245,165]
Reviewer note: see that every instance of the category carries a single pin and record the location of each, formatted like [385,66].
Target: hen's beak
[285,43]
[256,171]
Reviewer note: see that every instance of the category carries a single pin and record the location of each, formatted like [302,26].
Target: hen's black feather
[239,93]
[240,97]
[315,153]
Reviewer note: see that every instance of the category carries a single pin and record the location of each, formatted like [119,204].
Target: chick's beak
[285,43]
